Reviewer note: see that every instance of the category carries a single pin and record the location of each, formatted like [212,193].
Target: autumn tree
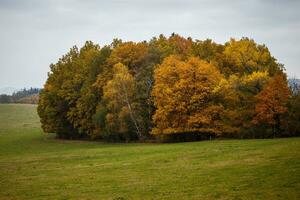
[140,62]
[271,104]
[184,98]
[237,95]
[54,103]
[130,54]
[245,57]
[209,51]
[68,100]
[119,94]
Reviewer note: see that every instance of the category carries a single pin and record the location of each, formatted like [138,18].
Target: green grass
[34,165]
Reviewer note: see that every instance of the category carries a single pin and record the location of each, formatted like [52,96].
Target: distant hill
[8,90]
[27,96]
[31,99]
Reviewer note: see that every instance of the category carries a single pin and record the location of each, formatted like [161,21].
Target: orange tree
[271,103]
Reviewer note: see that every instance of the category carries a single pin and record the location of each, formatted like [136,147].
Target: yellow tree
[245,56]
[119,93]
[129,54]
[184,98]
[272,103]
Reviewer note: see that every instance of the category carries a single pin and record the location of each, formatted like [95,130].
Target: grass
[34,165]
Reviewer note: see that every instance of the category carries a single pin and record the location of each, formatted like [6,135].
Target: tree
[55,99]
[294,84]
[92,61]
[174,45]
[4,98]
[292,126]
[184,98]
[67,102]
[119,94]
[209,51]
[245,57]
[130,54]
[271,103]
[237,95]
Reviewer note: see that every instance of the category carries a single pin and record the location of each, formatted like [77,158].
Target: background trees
[26,96]
[168,86]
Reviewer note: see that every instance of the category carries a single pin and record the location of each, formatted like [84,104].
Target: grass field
[34,165]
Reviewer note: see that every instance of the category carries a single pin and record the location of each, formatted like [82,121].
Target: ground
[34,165]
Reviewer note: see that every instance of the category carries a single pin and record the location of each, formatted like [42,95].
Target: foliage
[272,103]
[245,57]
[184,98]
[4,98]
[168,86]
[119,93]
[292,125]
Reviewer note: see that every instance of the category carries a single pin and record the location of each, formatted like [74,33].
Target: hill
[30,99]
[34,165]
[25,96]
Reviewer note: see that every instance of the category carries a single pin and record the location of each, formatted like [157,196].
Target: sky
[36,33]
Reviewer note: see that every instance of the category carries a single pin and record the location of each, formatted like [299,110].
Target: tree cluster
[27,96]
[169,88]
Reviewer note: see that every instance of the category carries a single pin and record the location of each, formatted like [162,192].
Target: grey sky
[35,33]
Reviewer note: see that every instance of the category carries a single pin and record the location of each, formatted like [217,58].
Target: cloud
[35,33]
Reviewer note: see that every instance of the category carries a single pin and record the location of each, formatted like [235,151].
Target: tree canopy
[168,86]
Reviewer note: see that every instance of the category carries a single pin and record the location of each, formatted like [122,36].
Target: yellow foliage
[129,53]
[245,56]
[183,95]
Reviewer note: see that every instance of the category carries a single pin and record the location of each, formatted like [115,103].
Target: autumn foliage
[271,103]
[168,87]
[184,96]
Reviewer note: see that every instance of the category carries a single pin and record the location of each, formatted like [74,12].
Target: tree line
[29,96]
[169,88]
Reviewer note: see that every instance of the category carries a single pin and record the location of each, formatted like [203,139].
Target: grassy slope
[36,166]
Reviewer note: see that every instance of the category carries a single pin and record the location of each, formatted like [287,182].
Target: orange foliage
[271,102]
[183,95]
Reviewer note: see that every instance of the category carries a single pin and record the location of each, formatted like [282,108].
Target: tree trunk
[273,130]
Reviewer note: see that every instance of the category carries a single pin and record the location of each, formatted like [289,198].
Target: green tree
[92,63]
[292,125]
[53,107]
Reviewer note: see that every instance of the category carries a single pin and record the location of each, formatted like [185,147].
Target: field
[34,165]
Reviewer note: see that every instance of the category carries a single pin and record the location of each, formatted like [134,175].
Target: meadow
[35,165]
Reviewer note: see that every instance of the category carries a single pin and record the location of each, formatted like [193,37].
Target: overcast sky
[35,33]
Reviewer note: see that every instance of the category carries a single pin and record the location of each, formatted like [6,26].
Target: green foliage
[4,98]
[292,124]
